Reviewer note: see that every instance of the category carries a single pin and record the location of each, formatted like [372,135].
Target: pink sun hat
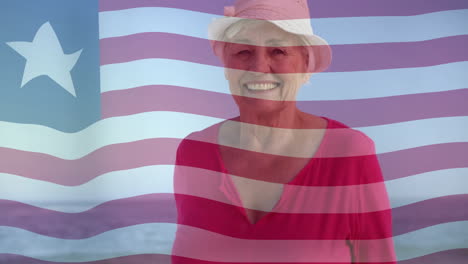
[290,15]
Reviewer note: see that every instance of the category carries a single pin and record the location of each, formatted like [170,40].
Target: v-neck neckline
[229,189]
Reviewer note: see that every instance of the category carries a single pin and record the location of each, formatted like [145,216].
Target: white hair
[235,28]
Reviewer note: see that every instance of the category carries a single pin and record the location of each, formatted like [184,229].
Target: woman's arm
[372,238]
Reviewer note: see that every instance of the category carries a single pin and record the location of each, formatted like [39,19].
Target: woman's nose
[261,63]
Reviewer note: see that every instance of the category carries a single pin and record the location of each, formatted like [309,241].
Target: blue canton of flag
[50,63]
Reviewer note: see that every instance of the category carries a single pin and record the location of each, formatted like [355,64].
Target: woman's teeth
[261,86]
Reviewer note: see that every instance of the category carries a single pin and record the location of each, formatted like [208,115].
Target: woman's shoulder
[199,138]
[351,152]
[347,141]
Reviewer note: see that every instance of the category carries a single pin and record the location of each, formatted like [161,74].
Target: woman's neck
[267,131]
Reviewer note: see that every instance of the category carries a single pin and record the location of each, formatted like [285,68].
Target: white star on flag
[45,56]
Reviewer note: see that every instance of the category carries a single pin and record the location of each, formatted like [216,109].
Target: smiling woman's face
[269,64]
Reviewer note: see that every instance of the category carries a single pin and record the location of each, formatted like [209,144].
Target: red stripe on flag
[162,152]
[346,58]
[320,8]
[354,113]
[160,208]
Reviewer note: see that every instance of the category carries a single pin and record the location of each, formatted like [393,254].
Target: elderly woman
[275,184]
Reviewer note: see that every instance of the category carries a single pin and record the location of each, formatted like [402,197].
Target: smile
[261,86]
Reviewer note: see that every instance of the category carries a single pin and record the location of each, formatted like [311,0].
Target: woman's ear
[310,60]
[309,67]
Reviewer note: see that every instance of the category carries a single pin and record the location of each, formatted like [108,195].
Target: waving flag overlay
[95,97]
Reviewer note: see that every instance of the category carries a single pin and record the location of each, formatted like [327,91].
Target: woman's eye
[279,52]
[244,52]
